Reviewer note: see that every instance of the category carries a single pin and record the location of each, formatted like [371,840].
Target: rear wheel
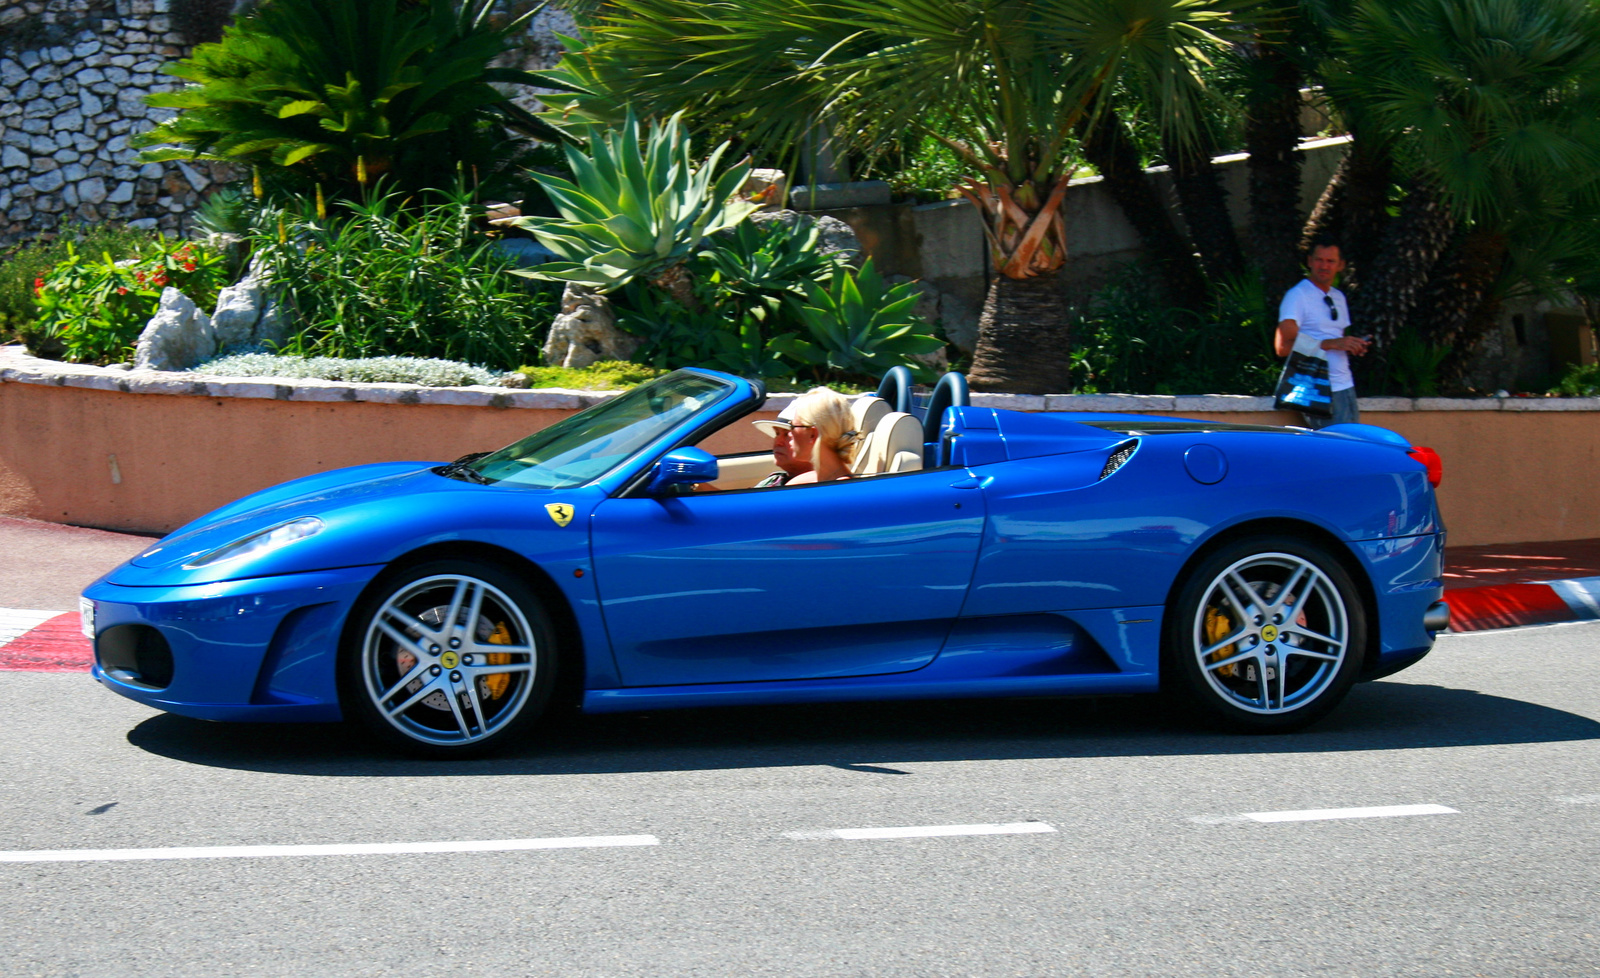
[448,659]
[1266,634]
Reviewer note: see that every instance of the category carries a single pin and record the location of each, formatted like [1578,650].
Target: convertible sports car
[1256,571]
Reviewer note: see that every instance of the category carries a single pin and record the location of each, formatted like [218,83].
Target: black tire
[424,681]
[1265,635]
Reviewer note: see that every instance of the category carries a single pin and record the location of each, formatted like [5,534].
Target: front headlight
[257,544]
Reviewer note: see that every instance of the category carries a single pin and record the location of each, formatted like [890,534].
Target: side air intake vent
[1121,454]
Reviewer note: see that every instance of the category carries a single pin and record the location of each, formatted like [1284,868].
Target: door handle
[973,482]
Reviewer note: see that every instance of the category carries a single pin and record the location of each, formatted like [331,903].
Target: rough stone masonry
[73,77]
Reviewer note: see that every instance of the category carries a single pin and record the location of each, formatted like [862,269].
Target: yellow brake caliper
[1218,625]
[497,683]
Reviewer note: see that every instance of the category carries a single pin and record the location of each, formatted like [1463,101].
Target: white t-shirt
[1306,305]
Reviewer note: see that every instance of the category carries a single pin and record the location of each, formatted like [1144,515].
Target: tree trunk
[1459,305]
[1109,148]
[1272,137]
[1354,209]
[1024,338]
[1411,248]
[1205,208]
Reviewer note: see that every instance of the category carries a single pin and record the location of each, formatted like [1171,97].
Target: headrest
[897,434]
[865,413]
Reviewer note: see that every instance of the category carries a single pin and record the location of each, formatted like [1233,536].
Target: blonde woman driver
[821,430]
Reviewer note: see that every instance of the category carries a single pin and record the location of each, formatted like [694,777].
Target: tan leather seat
[896,446]
[866,412]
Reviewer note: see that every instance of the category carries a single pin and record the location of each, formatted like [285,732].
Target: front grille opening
[135,654]
[1118,456]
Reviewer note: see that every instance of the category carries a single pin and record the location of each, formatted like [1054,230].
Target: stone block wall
[73,76]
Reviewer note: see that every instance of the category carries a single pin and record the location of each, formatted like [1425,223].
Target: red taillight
[1431,461]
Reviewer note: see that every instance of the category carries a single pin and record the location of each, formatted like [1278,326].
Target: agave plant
[859,325]
[636,208]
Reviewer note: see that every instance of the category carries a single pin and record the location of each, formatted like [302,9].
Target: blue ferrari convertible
[1256,572]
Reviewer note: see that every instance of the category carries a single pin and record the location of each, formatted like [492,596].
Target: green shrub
[375,280]
[606,375]
[22,265]
[858,327]
[746,284]
[1129,342]
[1579,381]
[372,370]
[339,92]
[92,309]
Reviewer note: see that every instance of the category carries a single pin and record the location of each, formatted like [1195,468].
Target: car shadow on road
[866,736]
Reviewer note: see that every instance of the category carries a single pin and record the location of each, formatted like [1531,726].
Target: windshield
[586,446]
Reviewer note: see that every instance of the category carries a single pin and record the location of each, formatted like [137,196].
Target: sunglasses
[801,424]
[1333,310]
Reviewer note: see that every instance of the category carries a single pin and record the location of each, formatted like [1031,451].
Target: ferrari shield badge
[560,512]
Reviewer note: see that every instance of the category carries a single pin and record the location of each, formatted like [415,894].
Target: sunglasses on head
[1333,309]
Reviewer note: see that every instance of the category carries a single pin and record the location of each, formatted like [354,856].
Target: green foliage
[374,280]
[606,375]
[21,265]
[92,309]
[1003,82]
[634,207]
[338,92]
[1129,343]
[1493,100]
[1414,365]
[768,303]
[368,370]
[858,325]
[1579,381]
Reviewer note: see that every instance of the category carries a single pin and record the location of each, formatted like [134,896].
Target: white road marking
[356,849]
[1579,799]
[927,831]
[1319,814]
[16,622]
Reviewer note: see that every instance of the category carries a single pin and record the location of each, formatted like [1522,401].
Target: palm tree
[1487,108]
[1005,84]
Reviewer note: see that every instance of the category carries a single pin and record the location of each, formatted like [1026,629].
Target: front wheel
[448,659]
[1266,634]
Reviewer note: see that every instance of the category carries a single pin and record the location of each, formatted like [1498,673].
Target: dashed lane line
[927,831]
[1322,814]
[357,849]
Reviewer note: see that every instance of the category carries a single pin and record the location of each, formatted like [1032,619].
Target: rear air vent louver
[1122,453]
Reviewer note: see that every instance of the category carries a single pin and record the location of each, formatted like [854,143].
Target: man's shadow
[870,737]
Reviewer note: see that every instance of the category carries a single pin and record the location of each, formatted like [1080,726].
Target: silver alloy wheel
[1271,633]
[448,660]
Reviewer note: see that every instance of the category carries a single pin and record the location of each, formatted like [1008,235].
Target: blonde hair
[829,412]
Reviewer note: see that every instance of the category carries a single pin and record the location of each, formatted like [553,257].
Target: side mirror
[682,467]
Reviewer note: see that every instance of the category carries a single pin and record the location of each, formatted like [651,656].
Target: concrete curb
[1474,609]
[16,367]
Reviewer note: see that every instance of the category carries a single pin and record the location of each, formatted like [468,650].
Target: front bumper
[260,649]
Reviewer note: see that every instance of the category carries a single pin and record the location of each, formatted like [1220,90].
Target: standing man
[1314,316]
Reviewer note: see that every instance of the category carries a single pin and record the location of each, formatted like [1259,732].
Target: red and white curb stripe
[43,641]
[1507,605]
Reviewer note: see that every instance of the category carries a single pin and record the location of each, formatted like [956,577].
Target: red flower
[122,290]
[188,266]
[38,286]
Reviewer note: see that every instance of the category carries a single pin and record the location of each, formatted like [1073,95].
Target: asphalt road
[1152,867]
